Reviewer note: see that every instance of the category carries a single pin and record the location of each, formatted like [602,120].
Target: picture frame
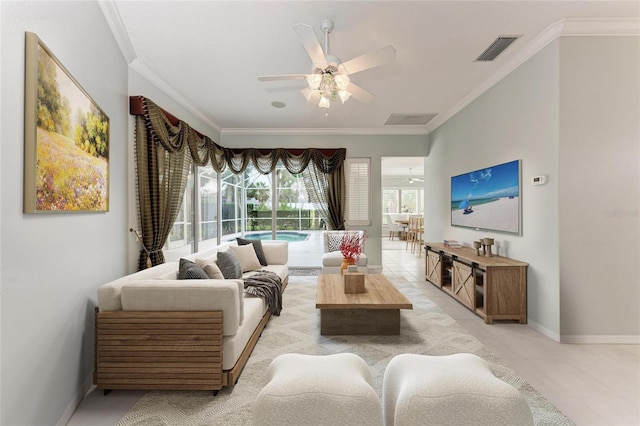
[66,139]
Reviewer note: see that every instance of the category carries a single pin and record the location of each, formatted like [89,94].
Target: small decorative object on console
[476,246]
[488,242]
[452,244]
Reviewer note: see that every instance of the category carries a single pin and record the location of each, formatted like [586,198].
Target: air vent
[496,48]
[409,119]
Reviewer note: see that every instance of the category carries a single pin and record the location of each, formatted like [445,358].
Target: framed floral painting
[66,139]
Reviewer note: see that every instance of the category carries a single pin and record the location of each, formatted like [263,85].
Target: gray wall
[516,119]
[366,146]
[52,264]
[599,188]
[571,113]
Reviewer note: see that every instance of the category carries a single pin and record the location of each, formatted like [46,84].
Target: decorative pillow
[229,264]
[257,246]
[188,270]
[210,267]
[334,241]
[248,258]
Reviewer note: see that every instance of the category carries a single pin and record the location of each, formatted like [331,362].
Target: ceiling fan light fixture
[314,81]
[342,81]
[344,95]
[324,102]
[329,79]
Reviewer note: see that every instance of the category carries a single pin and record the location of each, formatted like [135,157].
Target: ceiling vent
[409,119]
[496,48]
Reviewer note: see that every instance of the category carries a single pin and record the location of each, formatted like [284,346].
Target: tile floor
[591,384]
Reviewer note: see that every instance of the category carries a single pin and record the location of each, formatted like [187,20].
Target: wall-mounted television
[488,199]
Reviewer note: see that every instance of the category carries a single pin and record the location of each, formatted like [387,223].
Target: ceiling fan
[411,179]
[329,79]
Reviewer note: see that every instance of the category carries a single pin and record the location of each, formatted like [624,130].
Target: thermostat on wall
[539,180]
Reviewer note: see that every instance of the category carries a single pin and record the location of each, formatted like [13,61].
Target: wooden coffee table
[377,311]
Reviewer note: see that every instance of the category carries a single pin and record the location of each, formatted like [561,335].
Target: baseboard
[601,339]
[71,408]
[375,269]
[585,339]
[544,330]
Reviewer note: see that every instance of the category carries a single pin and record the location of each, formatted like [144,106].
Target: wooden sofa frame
[165,350]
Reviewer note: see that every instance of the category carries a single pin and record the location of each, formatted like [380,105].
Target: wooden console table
[495,288]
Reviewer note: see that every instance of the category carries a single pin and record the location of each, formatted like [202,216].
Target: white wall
[600,189]
[52,264]
[515,119]
[371,146]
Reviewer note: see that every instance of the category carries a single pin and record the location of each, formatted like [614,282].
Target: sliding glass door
[220,207]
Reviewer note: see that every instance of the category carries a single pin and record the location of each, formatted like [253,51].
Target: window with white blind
[358,179]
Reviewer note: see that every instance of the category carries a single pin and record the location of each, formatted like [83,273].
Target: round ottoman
[318,390]
[455,389]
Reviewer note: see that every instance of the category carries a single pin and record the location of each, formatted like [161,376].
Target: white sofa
[154,331]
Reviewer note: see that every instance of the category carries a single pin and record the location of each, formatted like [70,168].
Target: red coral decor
[351,246]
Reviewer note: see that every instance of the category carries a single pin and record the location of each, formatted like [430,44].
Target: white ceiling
[207,54]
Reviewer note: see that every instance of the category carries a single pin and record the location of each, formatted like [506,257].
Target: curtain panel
[161,178]
[327,194]
[166,148]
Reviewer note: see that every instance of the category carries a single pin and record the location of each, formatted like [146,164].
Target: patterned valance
[174,135]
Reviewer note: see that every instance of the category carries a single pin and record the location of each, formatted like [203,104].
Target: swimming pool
[291,236]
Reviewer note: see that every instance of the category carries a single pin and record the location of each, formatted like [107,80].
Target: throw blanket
[267,285]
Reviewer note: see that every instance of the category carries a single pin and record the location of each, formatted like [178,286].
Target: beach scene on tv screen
[487,198]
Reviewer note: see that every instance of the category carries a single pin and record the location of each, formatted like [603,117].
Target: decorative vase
[345,264]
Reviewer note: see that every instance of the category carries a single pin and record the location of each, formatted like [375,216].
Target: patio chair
[332,257]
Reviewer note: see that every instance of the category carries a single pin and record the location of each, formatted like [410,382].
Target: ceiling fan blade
[311,44]
[282,77]
[359,93]
[369,60]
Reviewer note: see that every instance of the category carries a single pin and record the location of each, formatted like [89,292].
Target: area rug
[425,330]
[305,272]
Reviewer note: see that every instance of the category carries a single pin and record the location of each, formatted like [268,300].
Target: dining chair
[411,232]
[394,228]
[418,239]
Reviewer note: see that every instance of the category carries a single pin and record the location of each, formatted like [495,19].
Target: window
[402,201]
[258,194]
[208,202]
[410,201]
[219,207]
[358,174]
[231,199]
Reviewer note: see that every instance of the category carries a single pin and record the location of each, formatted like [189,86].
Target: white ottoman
[318,390]
[449,390]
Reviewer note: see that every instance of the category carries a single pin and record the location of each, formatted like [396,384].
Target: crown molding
[563,27]
[322,131]
[600,27]
[114,20]
[146,72]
